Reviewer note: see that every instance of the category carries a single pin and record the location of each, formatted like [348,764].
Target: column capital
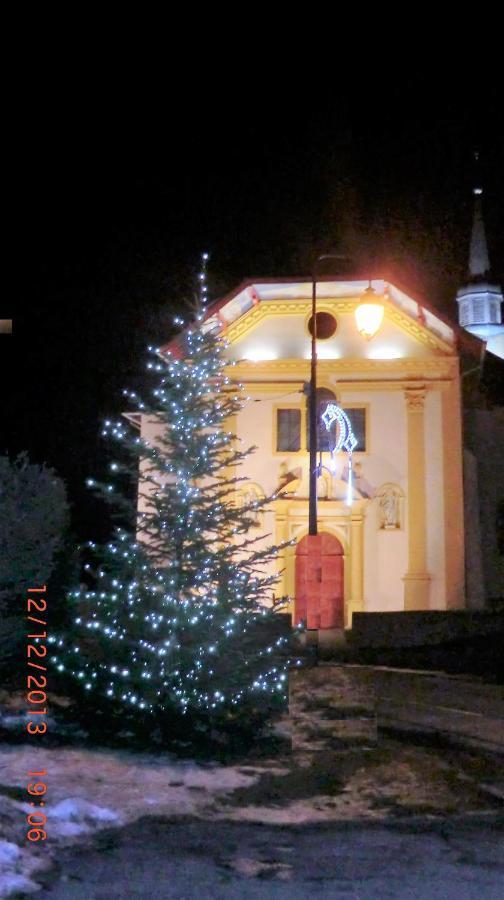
[415,398]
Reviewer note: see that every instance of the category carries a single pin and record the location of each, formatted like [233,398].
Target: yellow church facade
[401,537]
[395,541]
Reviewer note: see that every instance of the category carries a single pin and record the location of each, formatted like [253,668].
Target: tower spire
[479,301]
[479,263]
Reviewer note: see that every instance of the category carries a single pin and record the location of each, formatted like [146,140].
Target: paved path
[163,860]
[468,711]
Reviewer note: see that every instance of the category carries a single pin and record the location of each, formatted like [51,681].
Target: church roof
[255,291]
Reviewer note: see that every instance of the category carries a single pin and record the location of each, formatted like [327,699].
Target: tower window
[464,313]
[478,316]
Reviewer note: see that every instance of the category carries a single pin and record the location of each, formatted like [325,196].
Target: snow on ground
[123,783]
[76,816]
[17,866]
[89,790]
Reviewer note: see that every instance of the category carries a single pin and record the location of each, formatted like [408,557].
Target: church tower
[480,301]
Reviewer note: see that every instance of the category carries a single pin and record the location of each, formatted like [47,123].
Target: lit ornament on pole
[345,439]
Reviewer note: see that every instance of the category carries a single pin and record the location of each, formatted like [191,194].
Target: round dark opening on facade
[326,325]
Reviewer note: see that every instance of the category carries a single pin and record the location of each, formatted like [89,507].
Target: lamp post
[312,495]
[369,315]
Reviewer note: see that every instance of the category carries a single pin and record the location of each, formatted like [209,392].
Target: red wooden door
[319,581]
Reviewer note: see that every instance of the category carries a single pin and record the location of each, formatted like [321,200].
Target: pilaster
[356,562]
[416,580]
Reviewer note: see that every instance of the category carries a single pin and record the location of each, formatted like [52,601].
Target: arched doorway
[319,581]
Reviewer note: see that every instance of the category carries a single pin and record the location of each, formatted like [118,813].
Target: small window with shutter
[288,438]
[357,416]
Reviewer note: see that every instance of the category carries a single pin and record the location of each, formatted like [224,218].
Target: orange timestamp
[36,697]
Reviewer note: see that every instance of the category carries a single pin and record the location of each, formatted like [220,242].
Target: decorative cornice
[416,330]
[268,309]
[273,387]
[275,308]
[386,370]
[296,508]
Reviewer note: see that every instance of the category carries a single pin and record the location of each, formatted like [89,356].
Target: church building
[392,520]
[399,543]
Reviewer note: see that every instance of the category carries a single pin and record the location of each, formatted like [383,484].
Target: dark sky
[119,188]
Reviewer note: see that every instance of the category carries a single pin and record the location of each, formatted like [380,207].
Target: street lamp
[368,315]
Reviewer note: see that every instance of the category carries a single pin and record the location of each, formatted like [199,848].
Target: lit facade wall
[407,380]
[385,551]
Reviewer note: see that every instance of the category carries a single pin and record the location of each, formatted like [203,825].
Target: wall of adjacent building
[484,435]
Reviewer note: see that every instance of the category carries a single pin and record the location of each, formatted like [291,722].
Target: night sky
[121,187]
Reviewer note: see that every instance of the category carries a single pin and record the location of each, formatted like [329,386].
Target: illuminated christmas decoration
[180,612]
[345,439]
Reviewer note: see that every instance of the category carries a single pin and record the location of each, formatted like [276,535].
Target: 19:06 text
[37,699]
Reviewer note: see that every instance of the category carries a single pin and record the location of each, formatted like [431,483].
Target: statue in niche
[389,508]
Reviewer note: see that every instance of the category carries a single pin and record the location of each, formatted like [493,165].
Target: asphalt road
[467,711]
[180,860]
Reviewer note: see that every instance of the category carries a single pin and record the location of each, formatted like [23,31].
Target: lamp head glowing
[369,314]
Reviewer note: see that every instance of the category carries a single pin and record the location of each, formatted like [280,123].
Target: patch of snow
[13,721]
[75,816]
[66,829]
[16,867]
[75,808]
[9,852]
[314,809]
[14,883]
[91,789]
[217,779]
[254,868]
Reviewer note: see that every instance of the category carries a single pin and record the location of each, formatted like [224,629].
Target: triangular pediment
[269,320]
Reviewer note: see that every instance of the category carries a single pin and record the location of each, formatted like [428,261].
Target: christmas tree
[181,614]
